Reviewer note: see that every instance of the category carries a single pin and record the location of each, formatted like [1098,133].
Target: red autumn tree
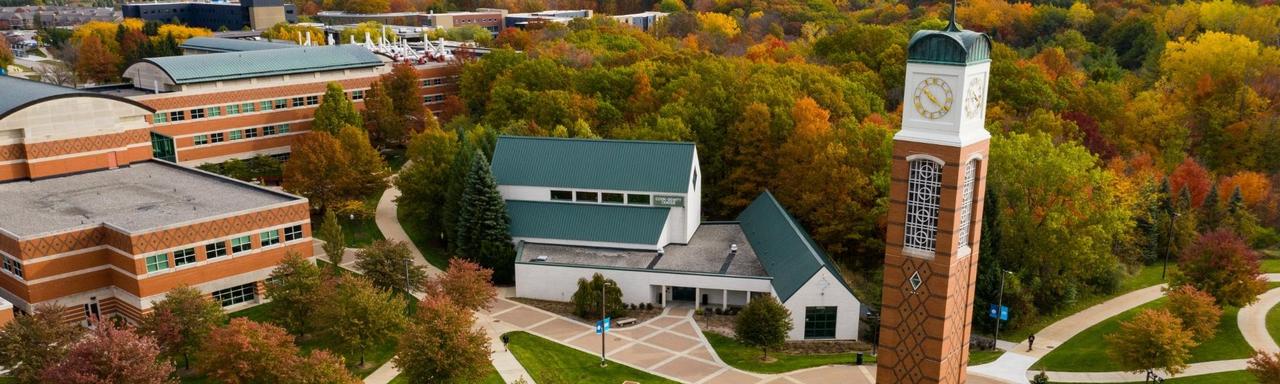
[181,322]
[1221,264]
[405,90]
[1265,367]
[1197,310]
[112,355]
[246,351]
[442,344]
[467,284]
[1190,175]
[95,62]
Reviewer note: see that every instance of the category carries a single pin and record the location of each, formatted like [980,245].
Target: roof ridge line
[579,139]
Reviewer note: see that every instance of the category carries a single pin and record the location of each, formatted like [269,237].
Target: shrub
[586,301]
[763,324]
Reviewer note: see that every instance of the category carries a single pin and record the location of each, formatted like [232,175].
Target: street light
[1173,218]
[999,308]
[603,326]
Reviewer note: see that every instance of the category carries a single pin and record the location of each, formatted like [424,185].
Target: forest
[1123,131]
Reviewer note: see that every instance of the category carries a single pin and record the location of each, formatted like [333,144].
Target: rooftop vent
[541,258]
[733,248]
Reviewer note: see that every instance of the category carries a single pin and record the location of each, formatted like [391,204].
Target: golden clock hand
[931,98]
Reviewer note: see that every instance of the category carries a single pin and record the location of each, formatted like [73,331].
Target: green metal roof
[586,222]
[783,247]
[626,165]
[16,94]
[952,46]
[270,62]
[216,44]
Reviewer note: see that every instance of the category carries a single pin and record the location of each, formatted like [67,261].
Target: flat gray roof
[144,196]
[707,252]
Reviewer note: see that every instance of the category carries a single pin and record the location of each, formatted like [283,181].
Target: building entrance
[682,294]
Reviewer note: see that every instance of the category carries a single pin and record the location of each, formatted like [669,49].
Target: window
[637,199]
[200,139]
[217,137]
[250,133]
[293,233]
[284,128]
[241,244]
[820,322]
[235,135]
[159,117]
[214,250]
[158,262]
[313,100]
[176,116]
[265,105]
[13,266]
[184,256]
[282,103]
[611,198]
[213,111]
[966,205]
[357,95]
[236,295]
[426,82]
[270,238]
[924,186]
[246,107]
[562,195]
[197,114]
[695,179]
[269,130]
[281,157]
[587,196]
[233,109]
[298,101]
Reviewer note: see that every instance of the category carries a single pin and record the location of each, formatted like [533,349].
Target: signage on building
[668,201]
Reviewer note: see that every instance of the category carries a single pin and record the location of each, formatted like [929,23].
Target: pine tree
[1211,211]
[483,226]
[456,180]
[335,111]
[1236,204]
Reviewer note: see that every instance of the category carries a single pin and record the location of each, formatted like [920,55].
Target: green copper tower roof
[952,46]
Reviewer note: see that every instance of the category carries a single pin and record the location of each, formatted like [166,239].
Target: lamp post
[999,308]
[603,316]
[1173,218]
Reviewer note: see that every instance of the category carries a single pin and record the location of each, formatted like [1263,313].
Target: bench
[624,321]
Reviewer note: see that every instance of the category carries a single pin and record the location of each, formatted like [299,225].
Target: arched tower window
[924,188]
[967,193]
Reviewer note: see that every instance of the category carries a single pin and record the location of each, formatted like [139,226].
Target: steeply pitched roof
[270,62]
[215,44]
[16,94]
[783,246]
[586,222]
[626,165]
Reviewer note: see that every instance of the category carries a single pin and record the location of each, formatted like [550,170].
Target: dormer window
[924,188]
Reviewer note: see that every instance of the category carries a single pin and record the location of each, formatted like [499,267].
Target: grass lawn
[1270,265]
[430,248]
[552,363]
[1087,351]
[983,357]
[748,358]
[1273,323]
[1233,377]
[358,233]
[1147,276]
[491,377]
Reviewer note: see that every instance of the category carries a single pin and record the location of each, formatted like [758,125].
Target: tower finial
[953,26]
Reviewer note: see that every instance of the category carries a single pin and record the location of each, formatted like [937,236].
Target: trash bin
[859,362]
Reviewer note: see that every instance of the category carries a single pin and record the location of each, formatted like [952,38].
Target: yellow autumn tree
[719,24]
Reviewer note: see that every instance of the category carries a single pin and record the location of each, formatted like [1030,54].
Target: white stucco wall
[825,290]
[71,117]
[592,244]
[558,282]
[693,201]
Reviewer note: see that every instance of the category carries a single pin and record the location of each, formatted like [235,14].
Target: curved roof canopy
[270,62]
[217,44]
[952,46]
[16,94]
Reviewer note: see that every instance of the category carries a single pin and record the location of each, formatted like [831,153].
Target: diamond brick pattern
[12,152]
[86,144]
[62,242]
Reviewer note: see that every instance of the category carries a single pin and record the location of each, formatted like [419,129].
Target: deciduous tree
[368,170]
[6,57]
[95,61]
[182,322]
[467,284]
[423,181]
[405,90]
[763,323]
[389,265]
[1265,367]
[292,287]
[442,344]
[317,169]
[386,127]
[358,315]
[246,351]
[1221,264]
[335,243]
[29,344]
[335,111]
[1197,311]
[1154,339]
[483,226]
[587,301]
[111,355]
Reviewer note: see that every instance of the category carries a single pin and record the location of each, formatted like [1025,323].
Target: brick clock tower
[935,214]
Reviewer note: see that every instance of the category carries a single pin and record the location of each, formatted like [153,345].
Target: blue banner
[1002,312]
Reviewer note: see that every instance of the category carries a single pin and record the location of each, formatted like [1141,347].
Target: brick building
[90,221]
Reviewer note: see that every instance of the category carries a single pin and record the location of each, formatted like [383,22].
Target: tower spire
[953,26]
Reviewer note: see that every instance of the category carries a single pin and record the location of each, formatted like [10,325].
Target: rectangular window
[159,117]
[215,250]
[426,82]
[820,322]
[284,128]
[184,256]
[293,233]
[213,111]
[437,81]
[158,262]
[250,133]
[313,100]
[233,109]
[236,295]
[615,198]
[270,238]
[637,199]
[562,195]
[269,130]
[217,137]
[246,107]
[13,266]
[357,95]
[281,157]
[265,105]
[587,196]
[241,244]
[176,116]
[197,114]
[200,139]
[234,135]
[282,103]
[298,101]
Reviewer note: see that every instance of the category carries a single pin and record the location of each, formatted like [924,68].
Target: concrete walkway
[389,224]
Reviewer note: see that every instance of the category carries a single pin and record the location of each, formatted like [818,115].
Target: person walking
[1031,342]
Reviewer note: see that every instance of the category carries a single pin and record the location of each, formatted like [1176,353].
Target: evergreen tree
[455,183]
[1236,204]
[482,234]
[335,111]
[1211,211]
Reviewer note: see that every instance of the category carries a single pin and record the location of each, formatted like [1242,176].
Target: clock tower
[935,214]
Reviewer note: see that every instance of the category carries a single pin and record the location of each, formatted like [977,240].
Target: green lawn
[1270,265]
[1273,323]
[1087,351]
[429,246]
[1146,276]
[748,358]
[1233,377]
[552,363]
[491,377]
[358,233]
[983,357]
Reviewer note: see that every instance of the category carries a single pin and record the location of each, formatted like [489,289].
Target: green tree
[292,287]
[386,127]
[389,265]
[358,316]
[483,234]
[335,111]
[335,243]
[182,322]
[1221,264]
[442,344]
[423,182]
[29,344]
[763,323]
[586,300]
[456,185]
[368,171]
[1154,339]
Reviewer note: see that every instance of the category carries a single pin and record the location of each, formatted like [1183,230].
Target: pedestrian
[1031,342]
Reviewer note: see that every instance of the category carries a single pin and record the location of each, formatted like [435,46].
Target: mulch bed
[566,309]
[723,325]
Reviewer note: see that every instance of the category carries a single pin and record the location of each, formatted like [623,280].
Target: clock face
[933,98]
[975,98]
